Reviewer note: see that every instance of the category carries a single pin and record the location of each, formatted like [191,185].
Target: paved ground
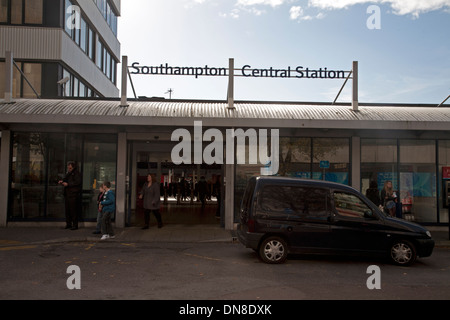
[211,268]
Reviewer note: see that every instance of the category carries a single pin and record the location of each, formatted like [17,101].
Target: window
[337,152]
[22,11]
[33,72]
[16,11]
[99,55]
[298,201]
[33,11]
[83,35]
[67,87]
[444,161]
[3,11]
[91,45]
[108,14]
[39,162]
[349,205]
[295,157]
[67,15]
[418,179]
[378,163]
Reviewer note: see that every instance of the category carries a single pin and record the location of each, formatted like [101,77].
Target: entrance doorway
[180,187]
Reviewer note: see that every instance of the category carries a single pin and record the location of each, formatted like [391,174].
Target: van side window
[248,194]
[349,205]
[299,201]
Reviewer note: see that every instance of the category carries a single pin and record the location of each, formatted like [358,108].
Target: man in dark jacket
[72,193]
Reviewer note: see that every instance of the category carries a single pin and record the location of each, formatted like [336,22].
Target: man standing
[72,194]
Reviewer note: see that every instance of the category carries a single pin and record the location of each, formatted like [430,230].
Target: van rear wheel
[273,250]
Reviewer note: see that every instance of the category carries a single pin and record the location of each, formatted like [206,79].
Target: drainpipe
[355,103]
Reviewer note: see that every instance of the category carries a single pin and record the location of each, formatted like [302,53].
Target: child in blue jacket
[108,206]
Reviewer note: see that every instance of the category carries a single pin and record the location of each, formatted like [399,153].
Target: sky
[402,47]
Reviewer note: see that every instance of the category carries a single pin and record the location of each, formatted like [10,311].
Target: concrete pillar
[230,95]
[4,176]
[229,197]
[121,188]
[123,93]
[8,76]
[355,98]
[356,163]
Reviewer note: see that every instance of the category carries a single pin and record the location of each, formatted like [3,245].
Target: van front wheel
[273,250]
[403,253]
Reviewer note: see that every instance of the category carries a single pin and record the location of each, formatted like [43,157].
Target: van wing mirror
[368,214]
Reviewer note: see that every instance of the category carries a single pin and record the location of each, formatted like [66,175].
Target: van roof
[310,182]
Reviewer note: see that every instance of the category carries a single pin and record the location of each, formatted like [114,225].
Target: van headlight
[428,233]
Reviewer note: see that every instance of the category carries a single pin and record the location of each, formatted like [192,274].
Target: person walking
[202,188]
[108,206]
[151,194]
[98,229]
[72,194]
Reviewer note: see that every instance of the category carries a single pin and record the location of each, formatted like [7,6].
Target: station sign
[247,71]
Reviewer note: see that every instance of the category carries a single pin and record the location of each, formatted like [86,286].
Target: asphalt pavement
[172,233]
[19,235]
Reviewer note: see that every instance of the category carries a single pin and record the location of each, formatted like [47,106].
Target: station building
[406,144]
[64,48]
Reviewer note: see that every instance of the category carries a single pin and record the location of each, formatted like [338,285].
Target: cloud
[399,7]
[297,13]
[272,3]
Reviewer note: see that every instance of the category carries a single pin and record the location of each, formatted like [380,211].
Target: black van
[288,215]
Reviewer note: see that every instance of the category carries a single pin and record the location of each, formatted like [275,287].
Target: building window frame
[22,13]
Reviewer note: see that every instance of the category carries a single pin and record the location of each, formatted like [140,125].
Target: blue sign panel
[324,164]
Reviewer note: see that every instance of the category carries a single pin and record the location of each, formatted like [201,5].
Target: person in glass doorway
[72,194]
[151,194]
[108,207]
[387,198]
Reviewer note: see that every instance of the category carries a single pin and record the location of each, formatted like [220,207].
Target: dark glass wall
[39,161]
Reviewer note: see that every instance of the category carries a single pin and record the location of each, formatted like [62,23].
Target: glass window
[39,162]
[75,86]
[99,51]
[16,12]
[108,65]
[295,157]
[105,60]
[418,180]
[82,92]
[349,205]
[83,35]
[337,152]
[33,11]
[16,81]
[91,44]
[100,154]
[444,170]
[28,175]
[67,15]
[378,164]
[67,87]
[297,201]
[33,72]
[3,11]
[113,70]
